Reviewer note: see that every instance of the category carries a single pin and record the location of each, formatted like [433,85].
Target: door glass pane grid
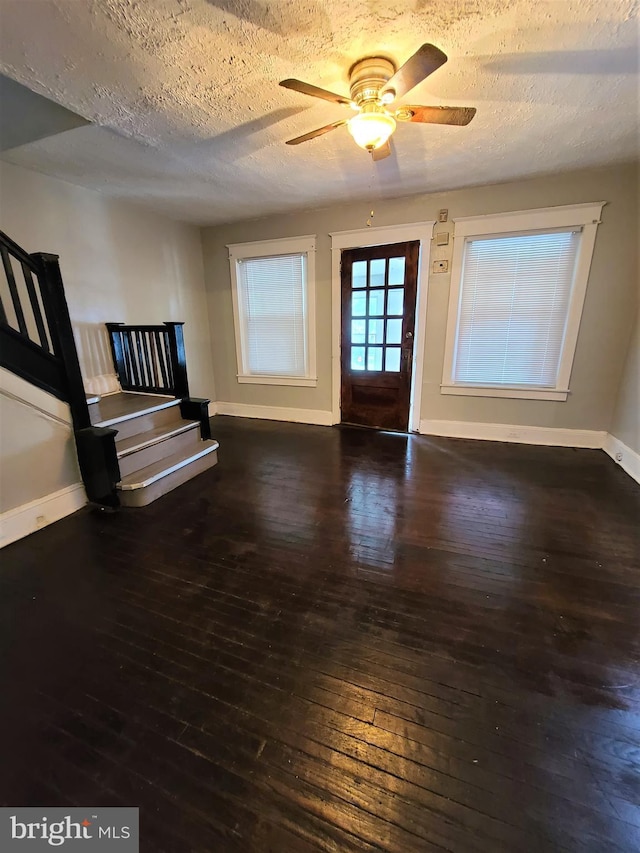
[377,308]
[392,359]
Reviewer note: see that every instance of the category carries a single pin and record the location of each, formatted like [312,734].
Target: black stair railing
[150,359]
[36,338]
[37,344]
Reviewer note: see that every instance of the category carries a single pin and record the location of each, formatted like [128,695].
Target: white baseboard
[273,413]
[550,436]
[23,520]
[629,460]
[623,456]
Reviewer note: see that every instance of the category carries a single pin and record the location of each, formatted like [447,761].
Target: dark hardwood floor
[338,640]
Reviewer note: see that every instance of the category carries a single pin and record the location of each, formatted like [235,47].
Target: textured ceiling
[188,118]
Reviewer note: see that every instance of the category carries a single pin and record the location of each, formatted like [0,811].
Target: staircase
[135,445]
[156,448]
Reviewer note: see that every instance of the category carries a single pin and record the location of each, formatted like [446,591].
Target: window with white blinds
[273,304]
[513,308]
[518,285]
[272,292]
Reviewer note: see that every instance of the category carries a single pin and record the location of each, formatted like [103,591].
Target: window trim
[583,216]
[304,245]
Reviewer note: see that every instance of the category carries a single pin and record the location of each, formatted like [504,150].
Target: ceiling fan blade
[315,91]
[382,152]
[424,61]
[318,132]
[436,115]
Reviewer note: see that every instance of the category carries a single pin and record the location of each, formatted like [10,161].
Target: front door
[378,316]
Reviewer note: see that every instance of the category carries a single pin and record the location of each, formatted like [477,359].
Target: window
[274,310]
[518,287]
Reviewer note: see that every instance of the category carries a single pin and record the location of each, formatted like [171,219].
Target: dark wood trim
[13,291]
[61,331]
[98,461]
[29,361]
[56,372]
[18,252]
[35,306]
[178,359]
[197,409]
[150,358]
[160,352]
[117,349]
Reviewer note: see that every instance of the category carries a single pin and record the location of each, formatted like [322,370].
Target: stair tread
[114,408]
[142,440]
[146,476]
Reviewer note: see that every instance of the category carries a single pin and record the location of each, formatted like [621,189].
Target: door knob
[409,335]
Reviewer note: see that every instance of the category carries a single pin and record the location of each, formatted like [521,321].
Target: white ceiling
[188,117]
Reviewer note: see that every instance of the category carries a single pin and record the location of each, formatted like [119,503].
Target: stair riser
[143,423]
[188,442]
[142,497]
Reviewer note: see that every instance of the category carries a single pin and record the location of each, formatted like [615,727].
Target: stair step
[140,441]
[144,486]
[146,476]
[185,442]
[114,409]
[142,424]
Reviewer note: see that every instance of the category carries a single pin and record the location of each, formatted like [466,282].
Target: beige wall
[625,424]
[119,263]
[37,451]
[606,322]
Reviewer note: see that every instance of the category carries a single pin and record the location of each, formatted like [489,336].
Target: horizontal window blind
[272,298]
[513,308]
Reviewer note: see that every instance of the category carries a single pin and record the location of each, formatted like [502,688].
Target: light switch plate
[443,215]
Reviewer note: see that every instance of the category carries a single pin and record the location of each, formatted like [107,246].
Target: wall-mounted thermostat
[442,238]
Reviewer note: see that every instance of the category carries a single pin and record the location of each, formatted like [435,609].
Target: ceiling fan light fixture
[370,130]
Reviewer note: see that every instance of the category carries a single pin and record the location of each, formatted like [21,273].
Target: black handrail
[150,359]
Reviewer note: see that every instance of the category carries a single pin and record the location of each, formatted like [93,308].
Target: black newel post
[178,359]
[64,346]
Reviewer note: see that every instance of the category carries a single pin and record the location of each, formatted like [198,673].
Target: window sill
[501,391]
[302,381]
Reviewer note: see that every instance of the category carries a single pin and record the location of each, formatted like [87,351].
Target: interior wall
[606,323]
[37,450]
[625,425]
[119,263]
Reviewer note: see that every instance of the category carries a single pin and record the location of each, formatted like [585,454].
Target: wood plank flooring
[338,640]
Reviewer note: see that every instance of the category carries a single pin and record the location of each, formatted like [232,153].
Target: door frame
[380,236]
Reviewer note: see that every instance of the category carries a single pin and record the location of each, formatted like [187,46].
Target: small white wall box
[443,215]
[442,238]
[440,266]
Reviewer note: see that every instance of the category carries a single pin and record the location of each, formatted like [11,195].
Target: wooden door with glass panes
[378,318]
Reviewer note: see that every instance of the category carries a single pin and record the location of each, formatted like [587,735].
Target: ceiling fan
[375,84]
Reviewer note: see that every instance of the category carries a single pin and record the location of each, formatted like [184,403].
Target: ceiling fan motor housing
[368,76]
